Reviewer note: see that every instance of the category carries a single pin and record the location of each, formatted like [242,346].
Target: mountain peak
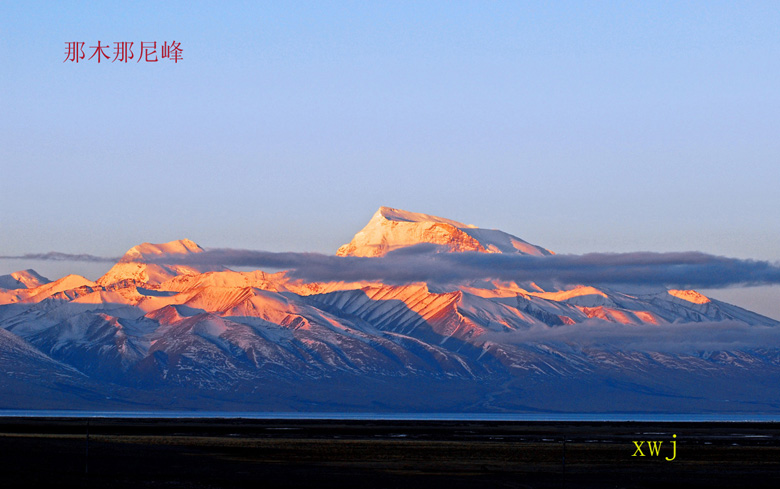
[132,266]
[400,215]
[23,279]
[177,247]
[390,229]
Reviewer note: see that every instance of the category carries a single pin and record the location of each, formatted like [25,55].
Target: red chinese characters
[148,49]
[99,51]
[123,52]
[74,52]
[173,51]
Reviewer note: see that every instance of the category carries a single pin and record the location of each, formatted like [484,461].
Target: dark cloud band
[424,263]
[685,269]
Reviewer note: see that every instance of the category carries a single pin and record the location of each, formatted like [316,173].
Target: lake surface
[604,417]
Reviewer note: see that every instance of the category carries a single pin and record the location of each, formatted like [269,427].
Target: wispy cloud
[673,338]
[57,256]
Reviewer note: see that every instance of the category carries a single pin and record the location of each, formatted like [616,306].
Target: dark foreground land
[198,453]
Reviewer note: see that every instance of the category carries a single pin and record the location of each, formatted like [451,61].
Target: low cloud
[425,263]
[671,338]
[57,256]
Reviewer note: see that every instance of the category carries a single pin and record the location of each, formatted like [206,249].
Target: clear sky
[578,126]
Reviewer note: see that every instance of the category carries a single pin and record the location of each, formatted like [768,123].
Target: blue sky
[578,126]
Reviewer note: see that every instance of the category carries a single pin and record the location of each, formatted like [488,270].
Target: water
[604,417]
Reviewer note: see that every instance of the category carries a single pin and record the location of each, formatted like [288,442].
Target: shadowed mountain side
[32,380]
[97,344]
[617,386]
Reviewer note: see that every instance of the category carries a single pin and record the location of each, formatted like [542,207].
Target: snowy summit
[390,229]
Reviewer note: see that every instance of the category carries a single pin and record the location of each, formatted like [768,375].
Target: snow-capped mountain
[390,229]
[25,279]
[171,336]
[133,265]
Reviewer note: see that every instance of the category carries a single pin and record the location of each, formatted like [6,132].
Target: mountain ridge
[203,338]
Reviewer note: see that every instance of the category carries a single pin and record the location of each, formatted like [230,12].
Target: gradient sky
[578,126]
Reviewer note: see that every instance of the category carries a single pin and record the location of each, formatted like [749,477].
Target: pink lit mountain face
[390,229]
[148,336]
